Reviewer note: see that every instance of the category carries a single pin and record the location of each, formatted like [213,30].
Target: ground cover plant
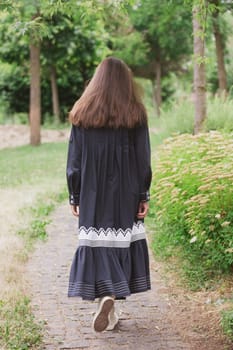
[18,328]
[192,201]
[227,323]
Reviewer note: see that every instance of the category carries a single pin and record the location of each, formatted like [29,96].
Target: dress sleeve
[143,155]
[73,169]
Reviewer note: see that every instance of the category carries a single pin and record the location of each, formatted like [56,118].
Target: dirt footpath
[161,319]
[18,135]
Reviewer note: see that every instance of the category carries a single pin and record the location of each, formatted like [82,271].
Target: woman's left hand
[75,210]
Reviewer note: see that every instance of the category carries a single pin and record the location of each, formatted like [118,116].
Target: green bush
[192,201]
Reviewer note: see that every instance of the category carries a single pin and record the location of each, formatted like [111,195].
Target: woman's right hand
[75,210]
[142,210]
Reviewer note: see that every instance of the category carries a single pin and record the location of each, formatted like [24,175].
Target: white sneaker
[101,318]
[113,319]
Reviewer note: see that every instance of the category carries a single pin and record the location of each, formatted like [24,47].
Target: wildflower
[174,200]
[204,201]
[218,216]
[204,187]
[193,239]
[229,250]
[225,223]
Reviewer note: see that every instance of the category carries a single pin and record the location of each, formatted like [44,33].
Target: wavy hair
[111,99]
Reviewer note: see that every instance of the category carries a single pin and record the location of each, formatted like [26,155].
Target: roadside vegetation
[177,117]
[192,199]
[32,184]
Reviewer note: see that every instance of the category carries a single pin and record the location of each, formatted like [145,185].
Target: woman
[109,175]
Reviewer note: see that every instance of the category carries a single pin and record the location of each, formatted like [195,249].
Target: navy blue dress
[108,174]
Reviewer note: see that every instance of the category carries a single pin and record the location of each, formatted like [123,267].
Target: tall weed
[178,118]
[220,114]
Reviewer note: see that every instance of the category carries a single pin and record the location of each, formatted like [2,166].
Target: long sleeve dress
[108,174]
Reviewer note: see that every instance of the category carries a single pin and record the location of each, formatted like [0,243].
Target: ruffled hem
[100,271]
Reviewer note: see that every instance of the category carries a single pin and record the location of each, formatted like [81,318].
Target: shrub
[192,199]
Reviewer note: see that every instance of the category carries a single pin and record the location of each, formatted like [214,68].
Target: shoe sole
[101,321]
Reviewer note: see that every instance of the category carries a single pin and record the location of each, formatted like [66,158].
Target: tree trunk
[55,97]
[35,110]
[157,87]
[199,72]
[219,44]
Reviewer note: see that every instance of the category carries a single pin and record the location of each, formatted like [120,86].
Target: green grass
[40,216]
[29,165]
[227,323]
[178,259]
[178,117]
[220,114]
[18,329]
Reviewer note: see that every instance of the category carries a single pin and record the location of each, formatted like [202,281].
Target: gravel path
[143,324]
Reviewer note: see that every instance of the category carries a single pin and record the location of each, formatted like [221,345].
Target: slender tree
[35,89]
[35,94]
[55,96]
[199,83]
[219,44]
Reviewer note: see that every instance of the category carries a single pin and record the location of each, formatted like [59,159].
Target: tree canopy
[153,37]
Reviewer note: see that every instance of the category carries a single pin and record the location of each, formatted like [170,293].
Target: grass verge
[18,328]
[227,323]
[39,174]
[40,217]
[191,213]
[30,166]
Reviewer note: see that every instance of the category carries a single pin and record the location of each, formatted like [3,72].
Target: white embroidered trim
[139,226]
[111,237]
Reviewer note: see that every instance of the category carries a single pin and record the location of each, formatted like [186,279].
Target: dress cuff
[144,196]
[74,199]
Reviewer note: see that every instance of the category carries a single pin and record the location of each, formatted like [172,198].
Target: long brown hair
[111,99]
